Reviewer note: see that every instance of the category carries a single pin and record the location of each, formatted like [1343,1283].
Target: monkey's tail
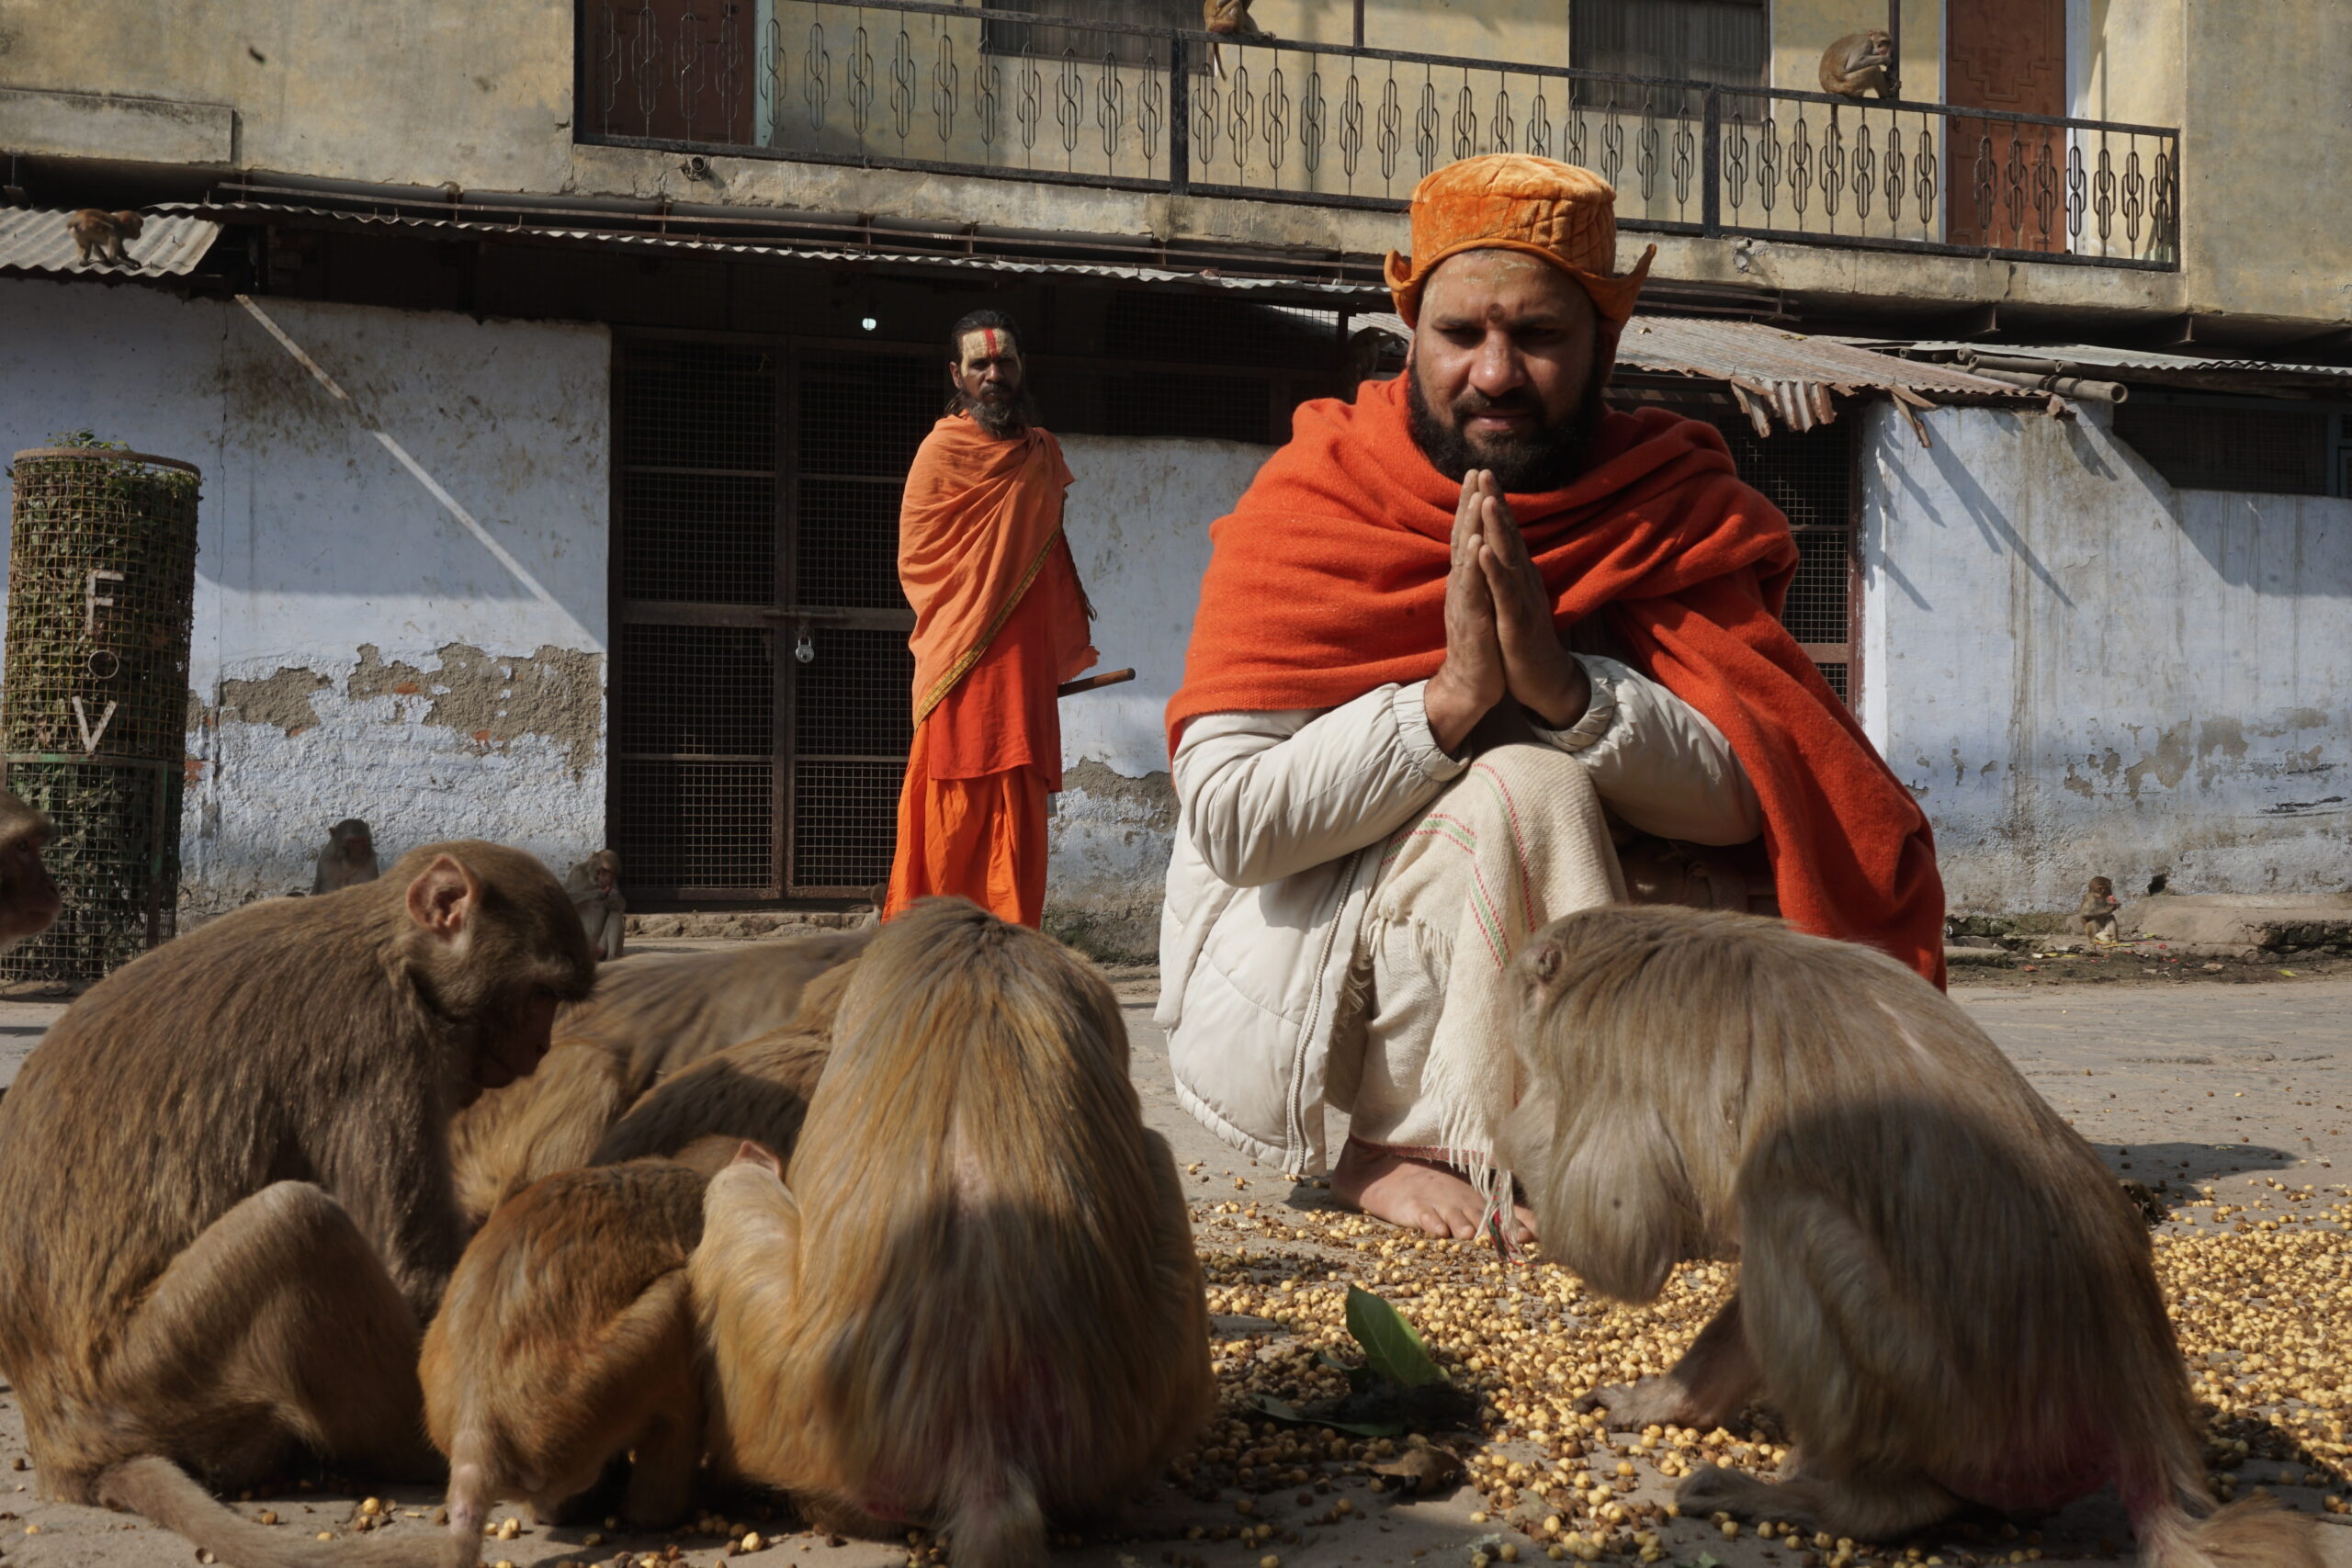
[996,1522]
[2253,1533]
[469,1500]
[164,1492]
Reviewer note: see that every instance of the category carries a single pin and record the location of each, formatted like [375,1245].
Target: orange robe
[1328,579]
[1000,622]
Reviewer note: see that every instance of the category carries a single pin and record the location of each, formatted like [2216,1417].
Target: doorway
[760,686]
[2005,182]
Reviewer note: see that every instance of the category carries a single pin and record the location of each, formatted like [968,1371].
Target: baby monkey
[566,1339]
[2098,908]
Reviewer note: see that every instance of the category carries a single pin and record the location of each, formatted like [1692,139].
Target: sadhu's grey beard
[1008,417]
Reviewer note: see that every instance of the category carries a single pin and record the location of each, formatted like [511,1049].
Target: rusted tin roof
[774,246]
[169,243]
[1774,373]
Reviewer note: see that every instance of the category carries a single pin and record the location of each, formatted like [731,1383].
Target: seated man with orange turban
[1000,620]
[1472,652]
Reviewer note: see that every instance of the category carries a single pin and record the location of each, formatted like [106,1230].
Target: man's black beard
[1546,458]
[998,417]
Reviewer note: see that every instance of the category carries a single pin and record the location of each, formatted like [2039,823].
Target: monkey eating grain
[566,1339]
[650,1016]
[1942,1287]
[268,1101]
[973,1300]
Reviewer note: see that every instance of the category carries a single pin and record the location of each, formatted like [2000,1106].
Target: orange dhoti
[1000,622]
[983,839]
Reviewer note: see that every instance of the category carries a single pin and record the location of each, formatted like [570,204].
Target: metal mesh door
[760,690]
[1809,475]
[859,419]
[693,793]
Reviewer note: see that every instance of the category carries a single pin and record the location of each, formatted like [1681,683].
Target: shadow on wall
[2274,544]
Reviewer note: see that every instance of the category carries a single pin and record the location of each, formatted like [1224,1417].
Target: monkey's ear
[750,1153]
[1543,959]
[443,898]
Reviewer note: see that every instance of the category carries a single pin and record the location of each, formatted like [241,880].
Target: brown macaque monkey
[550,1122]
[973,1300]
[650,1015]
[2097,911]
[1229,19]
[1708,1084]
[29,904]
[566,1339]
[1860,63]
[759,1090]
[270,1100]
[103,232]
[348,859]
[665,1010]
[595,889]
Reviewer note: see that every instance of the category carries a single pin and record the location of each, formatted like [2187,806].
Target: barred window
[2272,451]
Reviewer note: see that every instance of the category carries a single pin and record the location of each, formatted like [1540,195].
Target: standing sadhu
[1000,620]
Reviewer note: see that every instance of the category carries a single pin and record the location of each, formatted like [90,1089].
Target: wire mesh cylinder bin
[93,702]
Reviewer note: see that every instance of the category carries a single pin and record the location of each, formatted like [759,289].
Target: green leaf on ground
[1281,1412]
[1390,1346]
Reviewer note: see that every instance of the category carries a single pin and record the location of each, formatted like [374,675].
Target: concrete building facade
[560,280]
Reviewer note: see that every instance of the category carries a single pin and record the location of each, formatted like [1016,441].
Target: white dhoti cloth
[1422,1060]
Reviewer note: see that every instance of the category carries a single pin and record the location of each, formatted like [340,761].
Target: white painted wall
[314,543]
[1138,523]
[2081,670]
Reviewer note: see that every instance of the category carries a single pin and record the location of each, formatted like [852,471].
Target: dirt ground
[2228,1092]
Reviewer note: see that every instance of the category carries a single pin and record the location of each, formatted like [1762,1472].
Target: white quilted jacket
[1281,818]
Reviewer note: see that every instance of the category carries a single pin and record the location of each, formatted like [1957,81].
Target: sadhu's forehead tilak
[992,343]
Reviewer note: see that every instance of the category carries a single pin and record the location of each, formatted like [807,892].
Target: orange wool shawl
[1328,579]
[982,519]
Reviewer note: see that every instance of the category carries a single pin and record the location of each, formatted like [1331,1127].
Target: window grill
[1808,474]
[1168,404]
[2264,451]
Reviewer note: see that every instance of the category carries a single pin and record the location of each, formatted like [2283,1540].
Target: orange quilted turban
[1506,201]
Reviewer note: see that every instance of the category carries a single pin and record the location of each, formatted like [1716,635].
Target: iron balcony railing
[952,89]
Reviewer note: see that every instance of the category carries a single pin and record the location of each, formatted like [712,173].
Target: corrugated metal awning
[169,243]
[777,248]
[2141,365]
[1774,372]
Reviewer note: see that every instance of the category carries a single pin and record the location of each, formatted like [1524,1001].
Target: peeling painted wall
[1139,522]
[2080,670]
[357,652]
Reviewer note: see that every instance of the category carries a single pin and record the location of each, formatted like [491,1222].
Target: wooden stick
[1093,682]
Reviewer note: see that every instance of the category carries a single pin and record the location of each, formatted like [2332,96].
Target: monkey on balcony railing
[1860,63]
[1230,18]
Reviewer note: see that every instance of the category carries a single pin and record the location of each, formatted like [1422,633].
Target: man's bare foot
[1415,1193]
